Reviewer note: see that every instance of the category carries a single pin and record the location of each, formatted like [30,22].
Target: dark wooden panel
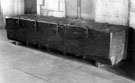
[12,27]
[131,45]
[11,24]
[96,44]
[21,33]
[131,40]
[32,31]
[43,29]
[74,40]
[57,37]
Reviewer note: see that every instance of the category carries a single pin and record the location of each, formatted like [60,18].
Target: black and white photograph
[67,41]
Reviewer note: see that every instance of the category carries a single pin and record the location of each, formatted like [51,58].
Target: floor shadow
[127,67]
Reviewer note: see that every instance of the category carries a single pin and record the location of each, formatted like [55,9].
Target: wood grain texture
[21,33]
[112,11]
[11,27]
[57,37]
[102,42]
[75,40]
[43,28]
[97,44]
[32,31]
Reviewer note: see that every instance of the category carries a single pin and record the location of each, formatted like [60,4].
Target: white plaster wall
[106,11]
[57,7]
[54,8]
[7,7]
[84,9]
[68,8]
[39,3]
[88,9]
[71,8]
[1,17]
[112,11]
[18,7]
[132,13]
[11,8]
[52,5]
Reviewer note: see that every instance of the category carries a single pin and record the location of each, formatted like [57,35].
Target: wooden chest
[102,42]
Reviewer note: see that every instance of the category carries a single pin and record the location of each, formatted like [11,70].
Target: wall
[47,8]
[112,11]
[84,9]
[132,13]
[71,9]
[88,9]
[1,17]
[108,11]
[11,8]
[30,6]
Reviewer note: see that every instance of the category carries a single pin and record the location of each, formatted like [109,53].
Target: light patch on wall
[71,9]
[132,13]
[54,8]
[52,5]
[112,11]
[39,3]
[88,9]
